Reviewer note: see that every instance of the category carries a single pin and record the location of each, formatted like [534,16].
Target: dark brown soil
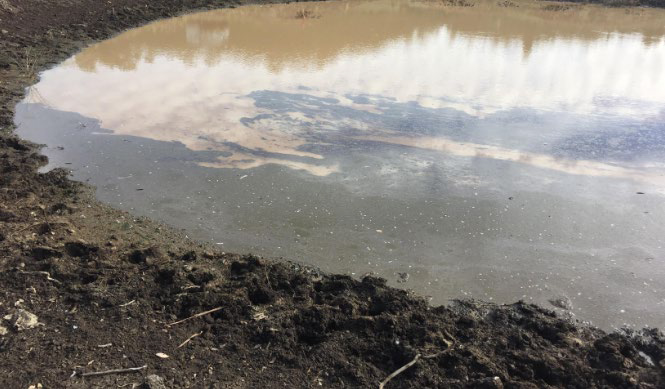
[105,285]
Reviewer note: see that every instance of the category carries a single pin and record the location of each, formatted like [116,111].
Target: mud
[105,286]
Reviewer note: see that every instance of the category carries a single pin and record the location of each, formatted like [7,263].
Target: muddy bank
[622,3]
[87,289]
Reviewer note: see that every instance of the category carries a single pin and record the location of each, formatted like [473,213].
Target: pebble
[153,381]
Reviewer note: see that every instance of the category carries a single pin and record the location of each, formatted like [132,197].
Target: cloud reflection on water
[198,80]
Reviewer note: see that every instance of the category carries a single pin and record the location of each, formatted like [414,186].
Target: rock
[23,320]
[153,381]
[208,255]
[3,331]
[574,342]
[487,383]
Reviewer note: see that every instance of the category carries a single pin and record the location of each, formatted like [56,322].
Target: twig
[23,229]
[194,316]
[47,274]
[116,371]
[126,304]
[189,339]
[398,371]
[451,345]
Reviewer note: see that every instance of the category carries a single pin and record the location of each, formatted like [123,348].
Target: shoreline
[104,285]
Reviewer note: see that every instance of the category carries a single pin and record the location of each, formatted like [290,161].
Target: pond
[495,150]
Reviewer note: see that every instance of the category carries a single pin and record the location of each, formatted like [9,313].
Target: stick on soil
[399,371]
[194,316]
[116,371]
[189,339]
[47,274]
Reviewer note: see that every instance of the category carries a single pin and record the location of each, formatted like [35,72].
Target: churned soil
[85,288]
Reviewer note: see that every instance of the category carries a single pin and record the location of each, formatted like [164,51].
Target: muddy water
[500,151]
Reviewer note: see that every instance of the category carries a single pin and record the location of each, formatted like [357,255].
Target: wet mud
[86,288]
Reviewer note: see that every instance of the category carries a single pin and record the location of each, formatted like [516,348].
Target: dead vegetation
[556,7]
[507,4]
[306,14]
[619,3]
[29,66]
[457,3]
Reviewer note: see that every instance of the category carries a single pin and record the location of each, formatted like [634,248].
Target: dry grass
[29,65]
[306,14]
[507,4]
[457,3]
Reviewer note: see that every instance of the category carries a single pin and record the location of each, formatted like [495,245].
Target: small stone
[23,320]
[162,355]
[153,381]
[209,255]
[3,331]
[573,341]
[489,383]
[5,31]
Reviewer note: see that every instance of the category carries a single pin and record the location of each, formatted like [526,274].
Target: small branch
[126,304]
[23,229]
[107,372]
[47,274]
[450,344]
[194,316]
[189,339]
[399,371]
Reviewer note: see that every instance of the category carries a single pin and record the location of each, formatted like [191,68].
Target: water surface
[502,151]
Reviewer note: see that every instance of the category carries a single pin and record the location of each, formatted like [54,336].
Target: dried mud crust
[87,288]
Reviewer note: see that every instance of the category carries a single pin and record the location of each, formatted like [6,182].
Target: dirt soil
[85,288]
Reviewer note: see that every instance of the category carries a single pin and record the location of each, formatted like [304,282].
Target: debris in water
[562,302]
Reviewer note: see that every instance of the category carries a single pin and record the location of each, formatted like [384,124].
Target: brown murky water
[494,150]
